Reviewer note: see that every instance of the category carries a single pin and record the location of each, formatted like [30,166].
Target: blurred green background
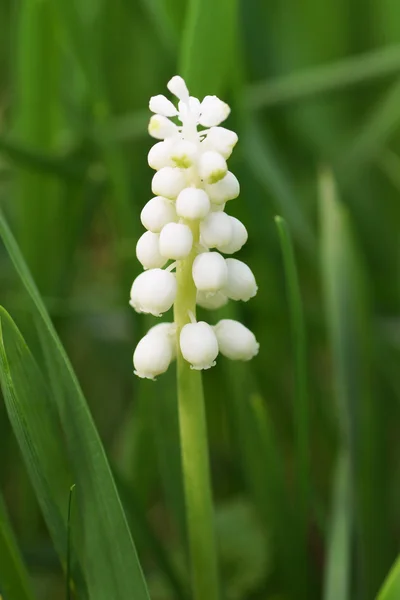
[304,440]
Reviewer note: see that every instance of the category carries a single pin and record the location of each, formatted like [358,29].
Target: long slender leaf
[391,587]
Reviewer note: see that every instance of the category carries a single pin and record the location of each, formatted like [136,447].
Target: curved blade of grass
[391,586]
[37,429]
[337,569]
[207,45]
[14,580]
[111,564]
[301,402]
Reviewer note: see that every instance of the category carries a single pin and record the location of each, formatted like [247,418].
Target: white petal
[147,251]
[212,167]
[183,154]
[177,86]
[153,292]
[161,127]
[226,189]
[168,182]
[199,345]
[158,212]
[209,272]
[168,331]
[241,284]
[192,203]
[235,341]
[159,155]
[176,241]
[213,111]
[216,229]
[152,356]
[161,105]
[211,301]
[238,239]
[221,140]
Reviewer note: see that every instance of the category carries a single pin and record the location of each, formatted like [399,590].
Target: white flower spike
[184,220]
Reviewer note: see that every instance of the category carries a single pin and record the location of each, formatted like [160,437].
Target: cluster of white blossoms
[185,221]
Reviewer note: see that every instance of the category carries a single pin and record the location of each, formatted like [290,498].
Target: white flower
[177,86]
[241,284]
[159,155]
[211,301]
[213,111]
[199,345]
[152,355]
[161,127]
[216,229]
[168,330]
[235,341]
[153,292]
[176,241]
[192,203]
[168,182]
[238,238]
[221,140]
[147,251]
[209,271]
[161,105]
[183,154]
[226,189]
[212,167]
[158,212]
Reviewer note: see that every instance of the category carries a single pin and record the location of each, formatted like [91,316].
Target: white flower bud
[226,189]
[161,127]
[192,203]
[152,356]
[153,292]
[159,155]
[212,167]
[209,272]
[241,284]
[238,239]
[176,241]
[168,182]
[147,251]
[168,331]
[183,154]
[216,229]
[161,105]
[177,87]
[221,140]
[211,301]
[235,341]
[158,212]
[213,111]
[199,345]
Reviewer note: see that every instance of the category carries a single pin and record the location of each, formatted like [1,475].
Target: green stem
[194,449]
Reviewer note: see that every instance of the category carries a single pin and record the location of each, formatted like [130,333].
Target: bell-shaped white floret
[178,88]
[161,127]
[161,105]
[147,251]
[176,241]
[192,203]
[209,272]
[153,292]
[221,140]
[235,341]
[216,229]
[213,111]
[183,154]
[199,345]
[226,189]
[152,356]
[159,155]
[168,331]
[211,301]
[241,284]
[212,167]
[168,182]
[238,239]
[158,212]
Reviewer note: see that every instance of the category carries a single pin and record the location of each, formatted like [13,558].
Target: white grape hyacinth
[186,223]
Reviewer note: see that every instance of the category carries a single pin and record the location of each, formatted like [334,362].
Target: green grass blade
[301,404]
[111,565]
[207,45]
[391,587]
[14,580]
[338,562]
